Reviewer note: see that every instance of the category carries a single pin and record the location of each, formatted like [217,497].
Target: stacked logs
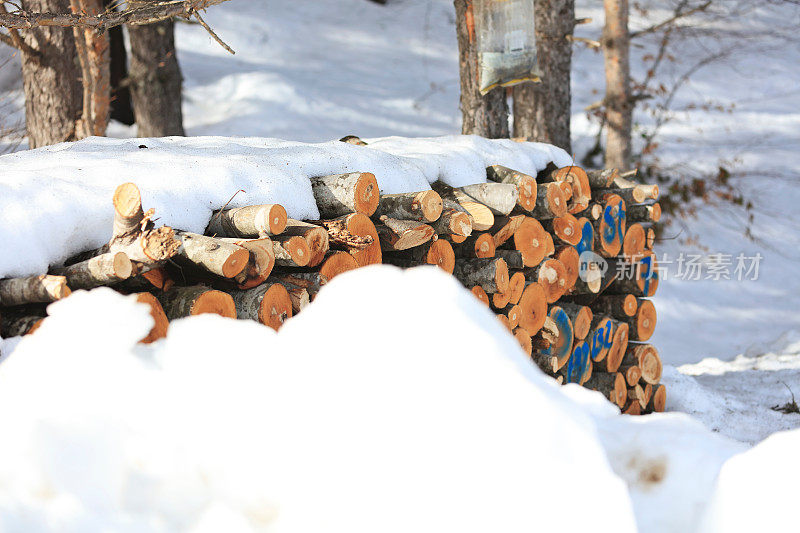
[564,259]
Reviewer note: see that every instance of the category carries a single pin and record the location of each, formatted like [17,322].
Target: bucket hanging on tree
[506,43]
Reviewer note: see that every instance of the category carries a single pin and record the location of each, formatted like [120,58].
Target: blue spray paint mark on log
[578,363]
[563,346]
[586,243]
[601,339]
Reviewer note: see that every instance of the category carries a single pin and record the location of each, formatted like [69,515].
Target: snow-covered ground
[166,437]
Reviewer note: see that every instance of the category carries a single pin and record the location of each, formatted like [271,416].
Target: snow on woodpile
[54,201]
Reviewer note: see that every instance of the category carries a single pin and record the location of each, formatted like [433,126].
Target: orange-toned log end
[159,279]
[556,199]
[566,188]
[649,362]
[127,200]
[441,254]
[553,278]
[566,228]
[650,240]
[655,212]
[501,299]
[658,399]
[568,256]
[646,321]
[318,243]
[262,261]
[634,243]
[527,192]
[215,302]
[460,224]
[616,352]
[630,305]
[161,323]
[276,307]
[367,194]
[337,263]
[299,250]
[481,295]
[514,315]
[484,246]
[457,239]
[549,245]
[582,323]
[531,240]
[524,340]
[581,189]
[235,263]
[633,407]
[619,395]
[277,219]
[361,226]
[504,320]
[632,374]
[516,286]
[533,308]
[501,277]
[430,204]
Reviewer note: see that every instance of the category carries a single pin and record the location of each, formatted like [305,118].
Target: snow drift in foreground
[56,201]
[361,415]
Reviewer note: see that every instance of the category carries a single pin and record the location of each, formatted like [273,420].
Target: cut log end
[277,219]
[480,294]
[276,307]
[214,302]
[619,345]
[484,246]
[367,194]
[635,240]
[430,204]
[516,287]
[127,200]
[160,320]
[646,318]
[649,362]
[361,226]
[235,263]
[441,254]
[337,263]
[533,308]
[530,239]
[658,399]
[524,340]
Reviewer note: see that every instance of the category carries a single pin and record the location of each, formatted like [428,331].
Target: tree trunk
[542,110]
[121,105]
[94,59]
[53,94]
[156,80]
[482,115]
[619,109]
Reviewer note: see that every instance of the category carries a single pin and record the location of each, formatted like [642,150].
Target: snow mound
[56,201]
[360,415]
[757,490]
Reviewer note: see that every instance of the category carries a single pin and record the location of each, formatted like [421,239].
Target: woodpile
[564,259]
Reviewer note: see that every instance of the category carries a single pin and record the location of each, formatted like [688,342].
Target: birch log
[34,289]
[424,206]
[341,194]
[248,222]
[101,270]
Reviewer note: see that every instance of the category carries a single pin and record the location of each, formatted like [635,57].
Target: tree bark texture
[156,80]
[542,110]
[482,115]
[51,79]
[619,108]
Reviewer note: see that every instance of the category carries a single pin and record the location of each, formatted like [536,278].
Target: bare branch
[222,43]
[139,15]
[678,15]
